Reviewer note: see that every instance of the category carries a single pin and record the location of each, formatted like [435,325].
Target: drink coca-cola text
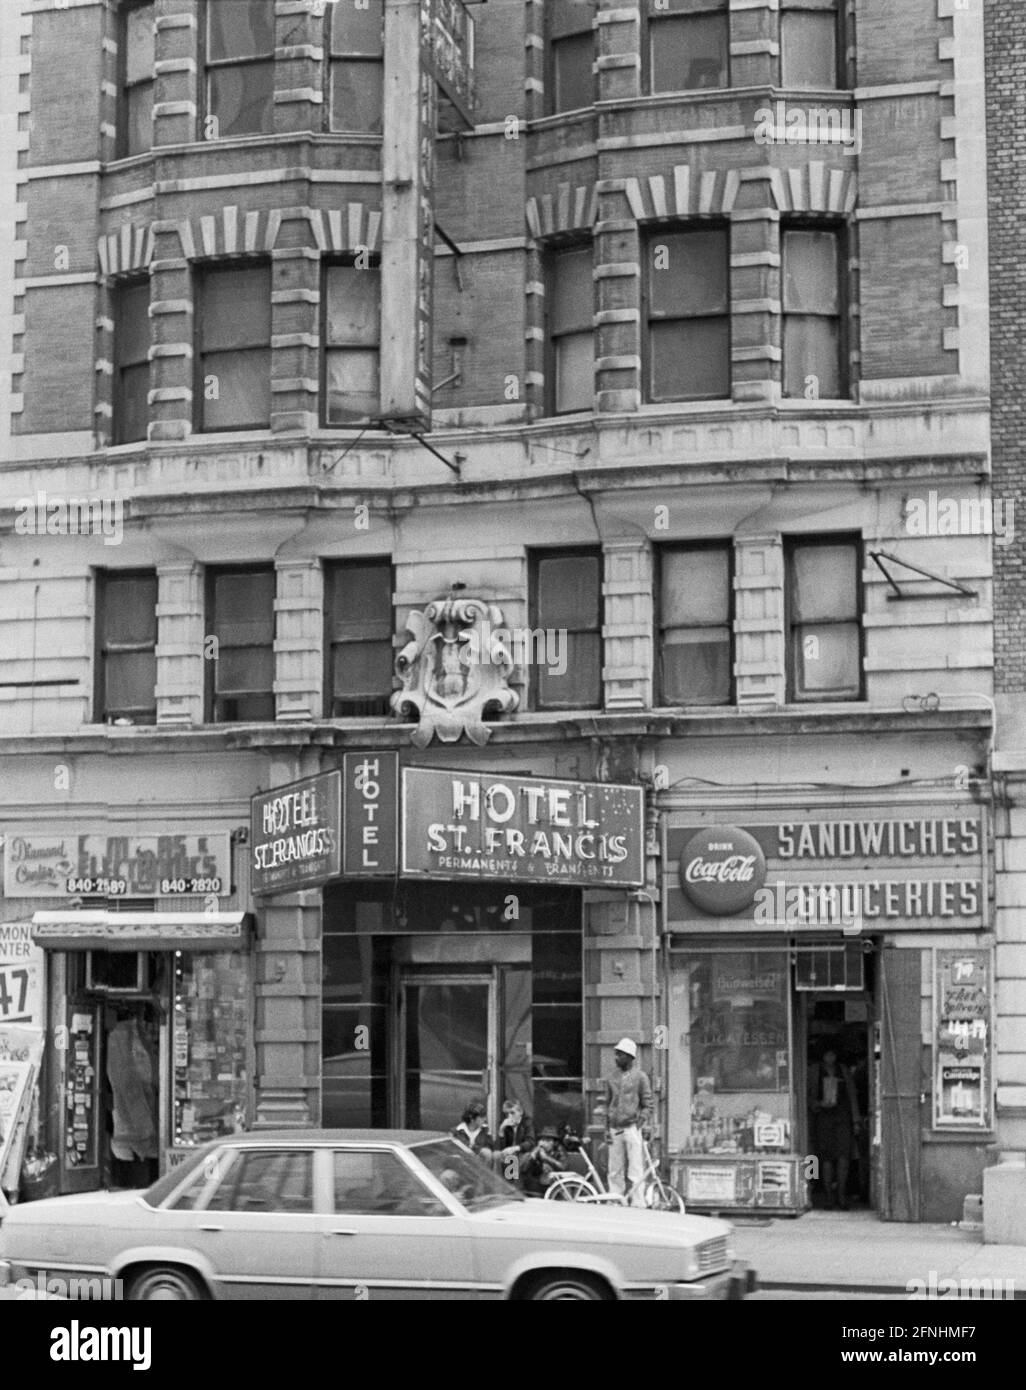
[737,868]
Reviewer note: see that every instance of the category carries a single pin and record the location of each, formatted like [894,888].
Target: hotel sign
[71,863]
[295,834]
[522,829]
[915,868]
[371,804]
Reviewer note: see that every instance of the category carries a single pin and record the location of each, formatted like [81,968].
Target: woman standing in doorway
[834,1120]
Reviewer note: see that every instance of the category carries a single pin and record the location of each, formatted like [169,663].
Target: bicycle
[570,1186]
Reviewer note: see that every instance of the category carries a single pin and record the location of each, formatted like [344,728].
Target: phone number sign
[113,865]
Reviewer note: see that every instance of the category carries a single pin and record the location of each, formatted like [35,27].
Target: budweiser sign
[721,870]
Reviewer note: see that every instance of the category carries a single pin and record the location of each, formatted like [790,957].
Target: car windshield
[466,1176]
[163,1187]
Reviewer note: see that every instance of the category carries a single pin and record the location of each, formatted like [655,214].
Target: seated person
[515,1140]
[544,1160]
[472,1130]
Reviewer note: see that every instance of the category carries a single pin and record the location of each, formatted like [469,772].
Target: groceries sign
[473,825]
[829,867]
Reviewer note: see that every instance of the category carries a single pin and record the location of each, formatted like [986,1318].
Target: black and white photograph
[513,666]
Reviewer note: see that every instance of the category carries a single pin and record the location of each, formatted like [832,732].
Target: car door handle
[211,1228]
[343,1233]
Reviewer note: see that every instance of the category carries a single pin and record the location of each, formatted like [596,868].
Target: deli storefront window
[210,1046]
[731,1118]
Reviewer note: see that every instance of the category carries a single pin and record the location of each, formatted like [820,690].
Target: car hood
[606,1222]
[78,1207]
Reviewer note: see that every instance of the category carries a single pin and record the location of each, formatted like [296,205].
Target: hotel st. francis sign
[472,825]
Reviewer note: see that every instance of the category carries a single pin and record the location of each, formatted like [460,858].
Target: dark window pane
[357,30]
[236,307]
[696,666]
[353,1043]
[140,44]
[353,387]
[240,28]
[808,49]
[348,969]
[133,404]
[361,595]
[580,686]
[362,670]
[360,1104]
[689,52]
[242,99]
[569,591]
[811,280]
[138,119]
[825,582]
[244,669]
[130,682]
[133,323]
[357,96]
[828,659]
[695,587]
[558,1103]
[812,357]
[242,381]
[556,968]
[244,709]
[688,274]
[130,611]
[352,306]
[690,360]
[573,295]
[557,1045]
[575,371]
[574,81]
[244,606]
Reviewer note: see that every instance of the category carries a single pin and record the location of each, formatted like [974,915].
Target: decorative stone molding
[454,669]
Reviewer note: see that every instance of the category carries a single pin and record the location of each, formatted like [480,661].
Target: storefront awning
[103,930]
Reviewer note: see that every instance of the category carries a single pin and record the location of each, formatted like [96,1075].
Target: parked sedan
[343,1214]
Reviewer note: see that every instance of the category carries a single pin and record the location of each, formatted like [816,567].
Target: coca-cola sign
[721,870]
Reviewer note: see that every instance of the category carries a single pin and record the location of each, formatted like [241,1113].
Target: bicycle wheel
[660,1196]
[568,1187]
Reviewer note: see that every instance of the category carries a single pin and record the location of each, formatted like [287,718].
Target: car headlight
[691,1269]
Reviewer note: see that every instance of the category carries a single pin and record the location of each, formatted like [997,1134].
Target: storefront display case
[210,1059]
[731,1116]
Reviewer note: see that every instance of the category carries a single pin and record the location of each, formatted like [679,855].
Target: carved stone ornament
[455,668]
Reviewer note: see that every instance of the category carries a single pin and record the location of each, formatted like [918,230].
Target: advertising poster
[21,976]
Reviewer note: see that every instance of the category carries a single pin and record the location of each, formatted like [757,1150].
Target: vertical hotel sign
[407,212]
[370,798]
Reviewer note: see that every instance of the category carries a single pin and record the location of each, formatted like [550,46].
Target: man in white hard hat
[628,1110]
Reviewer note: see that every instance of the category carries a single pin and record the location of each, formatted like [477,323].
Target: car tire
[164,1283]
[569,1287]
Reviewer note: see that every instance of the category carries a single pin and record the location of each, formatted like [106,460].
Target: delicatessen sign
[469,825]
[828,867]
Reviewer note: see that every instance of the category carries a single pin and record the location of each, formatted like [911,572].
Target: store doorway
[838,1054]
[448,1047]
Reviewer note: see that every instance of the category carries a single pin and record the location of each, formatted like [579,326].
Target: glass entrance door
[447,1046]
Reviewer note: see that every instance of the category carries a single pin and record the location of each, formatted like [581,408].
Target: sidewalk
[855,1250]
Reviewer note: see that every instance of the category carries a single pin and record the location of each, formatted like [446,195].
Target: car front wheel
[579,1288]
[164,1284]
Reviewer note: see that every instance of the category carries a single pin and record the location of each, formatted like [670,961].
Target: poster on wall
[962,1083]
[21,976]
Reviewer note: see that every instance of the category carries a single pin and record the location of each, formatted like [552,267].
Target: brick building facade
[710,357]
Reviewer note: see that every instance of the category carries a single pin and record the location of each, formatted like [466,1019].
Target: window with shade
[824,603]
[233,389]
[687,309]
[695,625]
[810,44]
[126,646]
[356,98]
[352,336]
[131,360]
[813,304]
[239,67]
[566,609]
[570,299]
[688,45]
[571,34]
[137,56]
[358,639]
[240,672]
